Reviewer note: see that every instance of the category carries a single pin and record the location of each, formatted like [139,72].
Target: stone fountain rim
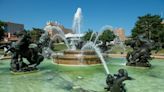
[79,51]
[79,65]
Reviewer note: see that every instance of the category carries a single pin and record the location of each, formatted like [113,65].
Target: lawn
[59,47]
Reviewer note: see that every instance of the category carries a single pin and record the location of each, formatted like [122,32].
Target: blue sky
[96,13]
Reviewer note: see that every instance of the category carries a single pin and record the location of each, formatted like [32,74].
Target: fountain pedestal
[77,57]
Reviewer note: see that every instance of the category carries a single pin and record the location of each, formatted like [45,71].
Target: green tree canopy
[36,33]
[88,34]
[107,36]
[2,30]
[151,26]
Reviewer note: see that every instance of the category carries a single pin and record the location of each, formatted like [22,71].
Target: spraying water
[93,33]
[56,36]
[121,44]
[97,50]
[51,27]
[55,28]
[102,30]
[77,21]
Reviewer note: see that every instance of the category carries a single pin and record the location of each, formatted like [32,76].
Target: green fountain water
[57,78]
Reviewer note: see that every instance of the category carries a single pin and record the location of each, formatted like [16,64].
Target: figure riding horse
[115,82]
[25,49]
[141,52]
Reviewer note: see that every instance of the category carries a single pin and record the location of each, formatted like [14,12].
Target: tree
[161,38]
[36,33]
[107,36]
[2,29]
[88,34]
[151,26]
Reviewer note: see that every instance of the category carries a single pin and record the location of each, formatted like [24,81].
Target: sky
[96,13]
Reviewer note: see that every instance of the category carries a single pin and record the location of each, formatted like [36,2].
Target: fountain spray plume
[102,30]
[98,52]
[55,27]
[121,44]
[77,21]
[92,35]
[60,36]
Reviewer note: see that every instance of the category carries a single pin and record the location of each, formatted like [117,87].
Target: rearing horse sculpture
[140,55]
[25,49]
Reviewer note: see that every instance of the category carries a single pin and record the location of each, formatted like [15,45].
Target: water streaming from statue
[98,52]
[101,31]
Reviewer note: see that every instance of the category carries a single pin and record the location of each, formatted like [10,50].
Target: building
[13,27]
[55,28]
[119,32]
[10,30]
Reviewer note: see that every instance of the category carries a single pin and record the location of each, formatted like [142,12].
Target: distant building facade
[119,32]
[10,30]
[53,28]
[13,27]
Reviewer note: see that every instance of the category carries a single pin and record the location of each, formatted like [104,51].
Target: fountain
[77,21]
[72,56]
[75,57]
[84,79]
[80,57]
[89,54]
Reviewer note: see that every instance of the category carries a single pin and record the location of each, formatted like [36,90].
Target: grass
[117,49]
[161,51]
[1,51]
[59,47]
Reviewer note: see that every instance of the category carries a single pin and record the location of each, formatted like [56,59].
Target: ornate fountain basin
[77,57]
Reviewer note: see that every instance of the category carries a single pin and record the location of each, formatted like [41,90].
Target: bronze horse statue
[25,49]
[140,55]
